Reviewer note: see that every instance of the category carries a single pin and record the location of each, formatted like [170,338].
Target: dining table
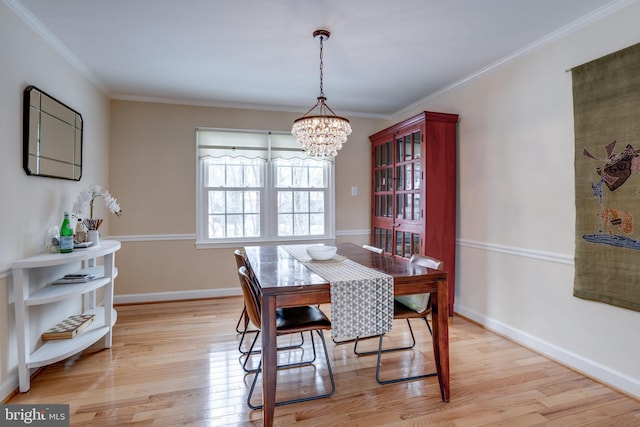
[287,282]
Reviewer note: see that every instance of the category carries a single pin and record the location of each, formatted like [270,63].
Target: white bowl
[321,253]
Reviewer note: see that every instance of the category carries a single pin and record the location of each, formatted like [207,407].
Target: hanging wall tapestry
[606,106]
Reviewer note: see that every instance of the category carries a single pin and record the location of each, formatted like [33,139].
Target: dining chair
[407,307]
[241,261]
[244,318]
[288,321]
[417,302]
[420,302]
[373,249]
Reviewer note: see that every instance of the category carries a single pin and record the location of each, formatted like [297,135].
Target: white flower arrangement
[87,197]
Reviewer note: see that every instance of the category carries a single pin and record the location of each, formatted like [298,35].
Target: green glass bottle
[66,235]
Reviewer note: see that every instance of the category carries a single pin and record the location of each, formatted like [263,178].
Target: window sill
[238,243]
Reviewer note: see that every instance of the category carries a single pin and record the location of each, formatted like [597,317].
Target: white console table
[25,296]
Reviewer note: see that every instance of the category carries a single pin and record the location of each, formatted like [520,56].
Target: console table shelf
[56,350]
[53,293]
[29,294]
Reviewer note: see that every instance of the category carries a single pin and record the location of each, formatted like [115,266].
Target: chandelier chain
[321,65]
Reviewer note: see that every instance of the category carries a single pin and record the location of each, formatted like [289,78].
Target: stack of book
[74,278]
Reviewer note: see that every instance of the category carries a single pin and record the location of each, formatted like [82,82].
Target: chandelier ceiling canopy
[320,131]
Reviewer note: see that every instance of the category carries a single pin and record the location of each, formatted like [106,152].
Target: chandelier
[321,134]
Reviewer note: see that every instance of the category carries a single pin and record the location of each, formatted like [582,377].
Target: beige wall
[153,160]
[30,205]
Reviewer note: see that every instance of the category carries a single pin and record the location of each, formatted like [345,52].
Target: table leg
[440,321]
[269,358]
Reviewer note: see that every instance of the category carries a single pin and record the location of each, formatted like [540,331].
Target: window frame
[268,202]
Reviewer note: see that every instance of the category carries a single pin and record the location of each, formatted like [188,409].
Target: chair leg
[248,354]
[396,380]
[244,352]
[368,353]
[428,326]
[243,318]
[362,353]
[302,399]
[344,341]
[251,351]
[244,333]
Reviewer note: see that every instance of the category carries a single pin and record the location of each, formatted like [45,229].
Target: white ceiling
[382,56]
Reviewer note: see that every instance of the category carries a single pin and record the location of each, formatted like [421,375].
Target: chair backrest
[241,260]
[373,249]
[239,256]
[420,302]
[251,300]
[427,261]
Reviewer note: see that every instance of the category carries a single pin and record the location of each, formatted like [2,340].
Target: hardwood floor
[178,364]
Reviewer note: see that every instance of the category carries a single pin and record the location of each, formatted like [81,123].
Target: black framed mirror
[52,137]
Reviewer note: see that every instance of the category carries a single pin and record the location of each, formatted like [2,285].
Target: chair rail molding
[517,251]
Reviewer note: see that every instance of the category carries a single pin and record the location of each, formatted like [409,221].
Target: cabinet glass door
[383,238]
[408,189]
[406,244]
[408,177]
[383,181]
[383,196]
[397,220]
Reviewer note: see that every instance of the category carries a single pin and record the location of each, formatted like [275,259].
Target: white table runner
[361,298]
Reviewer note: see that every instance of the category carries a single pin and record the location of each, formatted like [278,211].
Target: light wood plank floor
[178,364]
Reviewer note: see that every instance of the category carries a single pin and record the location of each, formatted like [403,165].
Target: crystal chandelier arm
[312,108]
[329,108]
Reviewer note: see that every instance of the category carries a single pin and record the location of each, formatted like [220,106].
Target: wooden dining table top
[280,273]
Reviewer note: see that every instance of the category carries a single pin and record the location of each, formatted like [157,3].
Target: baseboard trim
[176,296]
[604,374]
[9,387]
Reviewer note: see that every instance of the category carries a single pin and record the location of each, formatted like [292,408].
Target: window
[233,189]
[260,186]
